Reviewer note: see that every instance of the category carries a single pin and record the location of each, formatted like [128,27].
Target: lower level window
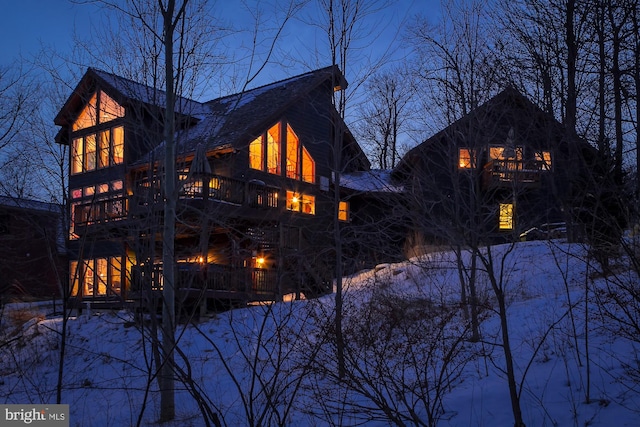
[506,216]
[301,203]
[96,277]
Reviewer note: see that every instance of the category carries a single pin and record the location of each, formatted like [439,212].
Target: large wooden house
[256,205]
[504,168]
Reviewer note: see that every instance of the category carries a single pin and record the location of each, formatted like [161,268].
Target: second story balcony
[510,173]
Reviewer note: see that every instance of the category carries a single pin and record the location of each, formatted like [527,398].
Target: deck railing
[208,277]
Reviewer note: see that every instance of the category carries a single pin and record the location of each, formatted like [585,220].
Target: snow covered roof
[376,180]
[238,118]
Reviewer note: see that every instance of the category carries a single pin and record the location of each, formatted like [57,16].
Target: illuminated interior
[273,149]
[466,158]
[343,211]
[301,203]
[506,216]
[91,116]
[96,203]
[308,167]
[96,277]
[256,158]
[86,157]
[265,154]
[545,158]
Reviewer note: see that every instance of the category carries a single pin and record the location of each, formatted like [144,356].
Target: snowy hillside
[408,357]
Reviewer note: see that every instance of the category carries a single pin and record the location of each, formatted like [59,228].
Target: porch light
[260,261]
[201,259]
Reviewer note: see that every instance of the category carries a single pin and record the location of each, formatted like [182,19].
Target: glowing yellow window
[101,276]
[273,149]
[87,116]
[103,150]
[115,275]
[308,204]
[77,155]
[293,150]
[117,145]
[308,167]
[90,152]
[343,211]
[109,108]
[545,158]
[256,158]
[506,216]
[74,278]
[293,201]
[466,158]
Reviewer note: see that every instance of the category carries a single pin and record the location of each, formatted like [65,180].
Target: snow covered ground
[252,366]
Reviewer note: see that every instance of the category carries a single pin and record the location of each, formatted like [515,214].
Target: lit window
[90,152]
[273,149]
[308,167]
[101,276]
[506,216]
[293,201]
[545,158]
[88,116]
[117,145]
[301,203]
[466,158]
[109,108]
[77,154]
[343,211]
[104,142]
[74,276]
[309,204]
[293,152]
[256,160]
[496,152]
[115,275]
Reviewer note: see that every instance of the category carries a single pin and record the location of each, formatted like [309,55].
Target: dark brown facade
[256,195]
[504,168]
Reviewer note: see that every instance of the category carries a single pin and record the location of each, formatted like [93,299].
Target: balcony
[510,173]
[194,280]
[206,187]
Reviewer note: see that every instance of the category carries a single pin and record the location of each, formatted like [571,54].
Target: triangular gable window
[265,154]
[90,115]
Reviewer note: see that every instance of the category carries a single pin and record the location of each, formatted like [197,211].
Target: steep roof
[498,114]
[224,121]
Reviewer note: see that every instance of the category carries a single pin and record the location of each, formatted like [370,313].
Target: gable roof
[507,109]
[222,122]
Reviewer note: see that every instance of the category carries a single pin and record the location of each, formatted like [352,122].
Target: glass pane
[109,108]
[103,157]
[87,116]
[465,158]
[73,278]
[293,149]
[506,216]
[101,276]
[256,160]
[273,149]
[117,143]
[343,211]
[88,278]
[76,155]
[115,274]
[309,204]
[293,201]
[308,167]
[90,152]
